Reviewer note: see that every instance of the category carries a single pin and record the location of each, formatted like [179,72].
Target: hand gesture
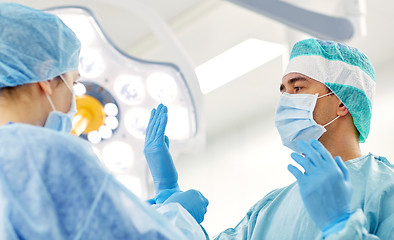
[161,166]
[325,186]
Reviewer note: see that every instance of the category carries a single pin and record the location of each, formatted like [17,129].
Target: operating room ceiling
[206,28]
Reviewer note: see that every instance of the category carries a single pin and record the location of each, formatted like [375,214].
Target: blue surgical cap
[344,70]
[34,46]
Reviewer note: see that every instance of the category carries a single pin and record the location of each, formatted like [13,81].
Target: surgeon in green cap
[323,114]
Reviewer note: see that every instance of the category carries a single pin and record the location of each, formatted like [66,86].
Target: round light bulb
[136,120]
[162,87]
[94,137]
[131,183]
[130,89]
[79,89]
[178,126]
[112,122]
[118,156]
[111,109]
[105,132]
[91,64]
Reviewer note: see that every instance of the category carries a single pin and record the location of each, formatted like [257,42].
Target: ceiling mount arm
[312,23]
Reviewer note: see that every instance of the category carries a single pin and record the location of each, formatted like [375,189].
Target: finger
[156,120]
[305,163]
[310,153]
[319,147]
[150,124]
[296,173]
[152,132]
[162,124]
[342,166]
[167,141]
[163,117]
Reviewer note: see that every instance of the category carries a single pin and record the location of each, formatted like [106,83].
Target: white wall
[245,162]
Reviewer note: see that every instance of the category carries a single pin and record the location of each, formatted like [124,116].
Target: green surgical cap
[343,69]
[34,46]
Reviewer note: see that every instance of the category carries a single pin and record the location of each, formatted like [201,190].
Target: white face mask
[294,119]
[60,121]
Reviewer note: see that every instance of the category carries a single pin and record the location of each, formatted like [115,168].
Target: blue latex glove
[325,186]
[193,201]
[161,166]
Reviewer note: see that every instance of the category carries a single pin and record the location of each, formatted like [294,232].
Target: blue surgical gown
[281,214]
[52,186]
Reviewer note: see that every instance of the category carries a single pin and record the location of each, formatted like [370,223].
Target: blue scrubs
[52,186]
[281,214]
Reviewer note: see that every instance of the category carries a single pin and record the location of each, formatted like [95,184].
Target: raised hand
[325,186]
[161,165]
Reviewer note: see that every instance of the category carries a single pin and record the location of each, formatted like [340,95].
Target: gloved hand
[193,201]
[325,186]
[161,166]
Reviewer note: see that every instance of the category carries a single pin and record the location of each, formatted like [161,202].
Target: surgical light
[115,95]
[118,156]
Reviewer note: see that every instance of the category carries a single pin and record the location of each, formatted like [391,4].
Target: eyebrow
[292,81]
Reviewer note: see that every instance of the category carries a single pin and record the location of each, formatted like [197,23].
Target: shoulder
[271,196]
[23,144]
[371,166]
[28,133]
[39,138]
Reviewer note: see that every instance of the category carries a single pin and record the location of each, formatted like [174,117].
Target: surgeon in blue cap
[51,183]
[323,114]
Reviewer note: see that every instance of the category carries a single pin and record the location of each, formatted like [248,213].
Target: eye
[297,89]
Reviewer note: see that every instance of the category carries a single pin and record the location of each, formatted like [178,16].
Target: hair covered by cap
[34,46]
[344,70]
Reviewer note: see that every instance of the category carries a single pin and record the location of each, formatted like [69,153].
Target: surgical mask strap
[325,95]
[331,121]
[51,103]
[68,86]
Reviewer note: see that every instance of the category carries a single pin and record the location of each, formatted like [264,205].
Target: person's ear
[342,110]
[46,87]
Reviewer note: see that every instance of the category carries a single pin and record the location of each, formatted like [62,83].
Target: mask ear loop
[331,121]
[51,103]
[68,86]
[325,94]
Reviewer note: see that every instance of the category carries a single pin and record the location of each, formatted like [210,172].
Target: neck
[22,109]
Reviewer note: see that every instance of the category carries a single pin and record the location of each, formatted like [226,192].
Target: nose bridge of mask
[299,101]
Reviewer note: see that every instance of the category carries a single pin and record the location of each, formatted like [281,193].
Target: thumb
[342,166]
